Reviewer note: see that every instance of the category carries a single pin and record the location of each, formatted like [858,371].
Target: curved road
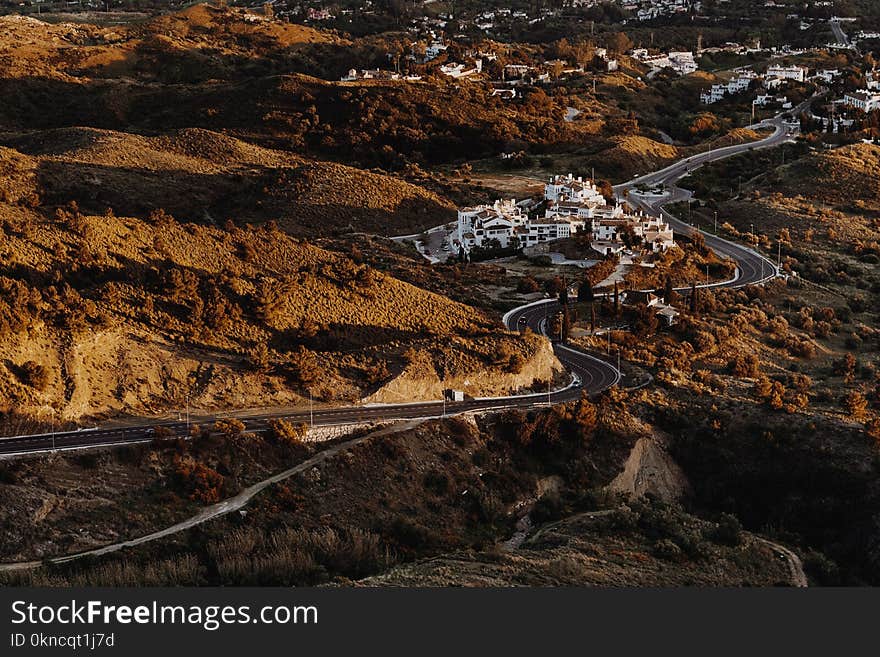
[752,267]
[592,374]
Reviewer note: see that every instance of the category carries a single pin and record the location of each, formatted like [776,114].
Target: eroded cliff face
[420,381]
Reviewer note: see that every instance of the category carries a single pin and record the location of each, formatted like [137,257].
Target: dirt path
[795,565]
[221,508]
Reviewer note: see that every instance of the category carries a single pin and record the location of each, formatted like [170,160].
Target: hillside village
[570,206]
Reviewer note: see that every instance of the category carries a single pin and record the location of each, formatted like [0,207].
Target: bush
[229,427]
[407,533]
[200,482]
[744,365]
[286,433]
[34,375]
[527,285]
[855,405]
[542,261]
[727,532]
[437,483]
[548,508]
[668,550]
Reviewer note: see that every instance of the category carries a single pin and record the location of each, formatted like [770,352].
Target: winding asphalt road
[752,267]
[591,374]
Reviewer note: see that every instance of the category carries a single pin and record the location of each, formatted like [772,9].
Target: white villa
[682,62]
[795,73]
[504,221]
[867,101]
[458,71]
[718,91]
[573,205]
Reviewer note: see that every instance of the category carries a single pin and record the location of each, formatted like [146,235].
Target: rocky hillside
[105,315]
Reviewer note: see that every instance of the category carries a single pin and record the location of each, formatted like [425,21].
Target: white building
[355,75]
[570,188]
[827,75]
[502,221]
[794,73]
[459,71]
[718,91]
[682,63]
[867,101]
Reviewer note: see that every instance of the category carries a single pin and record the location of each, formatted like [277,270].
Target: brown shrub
[34,375]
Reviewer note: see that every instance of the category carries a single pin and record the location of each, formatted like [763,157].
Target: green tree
[585,291]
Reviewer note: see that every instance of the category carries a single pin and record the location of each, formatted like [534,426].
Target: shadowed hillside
[203,176]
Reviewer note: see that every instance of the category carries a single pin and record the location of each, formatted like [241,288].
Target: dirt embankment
[651,470]
[420,380]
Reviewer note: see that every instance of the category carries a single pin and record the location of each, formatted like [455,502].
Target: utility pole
[187,413]
[707,275]
[311,411]
[716,222]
